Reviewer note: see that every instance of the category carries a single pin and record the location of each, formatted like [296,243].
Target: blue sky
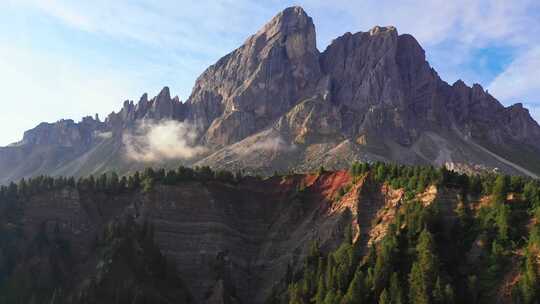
[68,58]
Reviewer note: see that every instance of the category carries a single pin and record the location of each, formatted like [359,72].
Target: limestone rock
[369,96]
[263,79]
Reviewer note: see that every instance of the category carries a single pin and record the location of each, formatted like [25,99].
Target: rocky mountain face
[278,103]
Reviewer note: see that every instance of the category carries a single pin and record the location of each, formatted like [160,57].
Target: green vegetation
[34,270]
[464,253]
[426,257]
[130,269]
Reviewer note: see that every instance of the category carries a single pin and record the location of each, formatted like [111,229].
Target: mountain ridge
[278,103]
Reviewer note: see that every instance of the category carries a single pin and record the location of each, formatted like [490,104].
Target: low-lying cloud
[270,144]
[103,135]
[154,141]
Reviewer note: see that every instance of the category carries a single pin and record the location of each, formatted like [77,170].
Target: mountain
[203,236]
[278,103]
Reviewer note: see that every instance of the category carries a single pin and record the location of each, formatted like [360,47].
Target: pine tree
[321,291]
[384,298]
[384,262]
[502,221]
[91,183]
[438,291]
[23,188]
[424,271]
[529,281]
[113,183]
[147,184]
[123,183]
[356,290]
[330,273]
[475,185]
[418,292]
[295,296]
[339,297]
[396,294]
[348,238]
[472,288]
[449,296]
[134,181]
[530,191]
[330,297]
[426,259]
[171,177]
[101,182]
[500,188]
[380,173]
[446,176]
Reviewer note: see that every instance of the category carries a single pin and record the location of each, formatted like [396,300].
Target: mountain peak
[459,83]
[164,94]
[293,15]
[144,98]
[518,105]
[376,30]
[289,21]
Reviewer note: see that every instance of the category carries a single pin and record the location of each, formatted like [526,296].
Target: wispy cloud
[103,135]
[472,23]
[520,79]
[184,26]
[269,144]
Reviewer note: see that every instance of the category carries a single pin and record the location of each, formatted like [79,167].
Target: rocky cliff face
[252,86]
[277,103]
[231,242]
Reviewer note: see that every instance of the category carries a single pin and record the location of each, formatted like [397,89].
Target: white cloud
[163,140]
[473,23]
[187,27]
[520,82]
[521,78]
[103,135]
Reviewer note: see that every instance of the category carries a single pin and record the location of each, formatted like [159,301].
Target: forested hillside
[480,248]
[377,233]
